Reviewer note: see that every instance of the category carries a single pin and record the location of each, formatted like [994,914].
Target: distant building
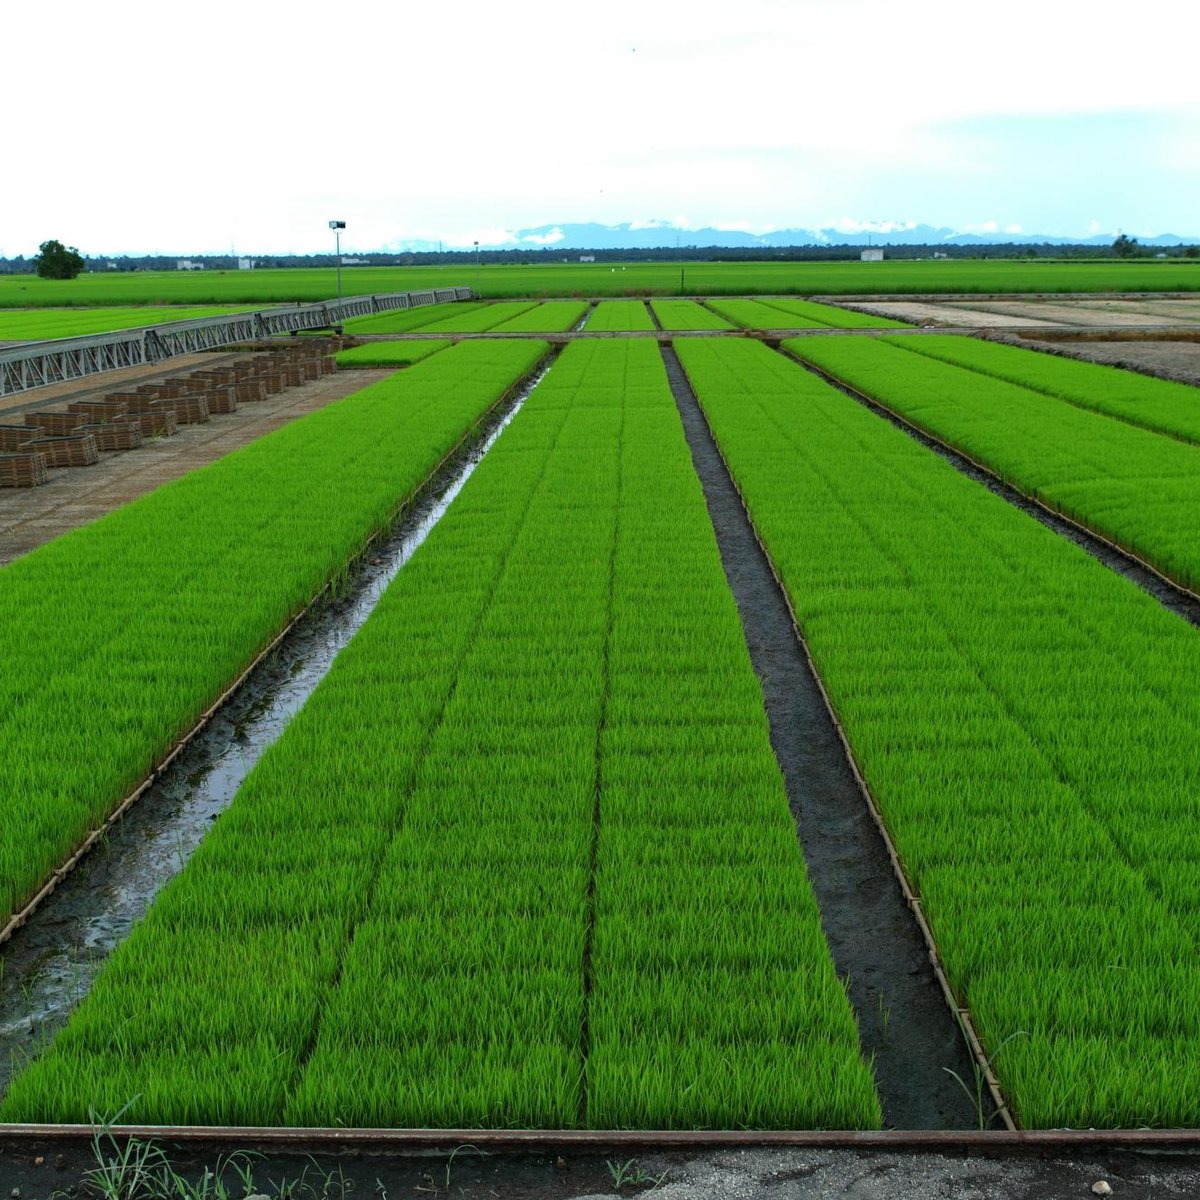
[186,264]
[872,254]
[940,254]
[354,262]
[245,264]
[587,258]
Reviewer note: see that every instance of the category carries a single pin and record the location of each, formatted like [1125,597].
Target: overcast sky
[139,127]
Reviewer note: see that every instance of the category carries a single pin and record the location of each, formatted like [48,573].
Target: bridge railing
[39,364]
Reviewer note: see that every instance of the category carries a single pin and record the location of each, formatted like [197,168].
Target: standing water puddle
[49,964]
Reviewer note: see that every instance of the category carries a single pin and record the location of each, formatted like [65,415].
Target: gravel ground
[779,1174]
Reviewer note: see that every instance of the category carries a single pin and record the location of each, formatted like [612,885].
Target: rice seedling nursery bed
[120,634]
[533,904]
[1137,487]
[972,656]
[619,316]
[795,314]
[389,354]
[1159,405]
[687,314]
[524,859]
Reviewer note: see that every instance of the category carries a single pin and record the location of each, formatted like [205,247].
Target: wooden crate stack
[22,470]
[72,450]
[115,435]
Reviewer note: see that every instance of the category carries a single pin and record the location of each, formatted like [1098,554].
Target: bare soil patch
[1175,360]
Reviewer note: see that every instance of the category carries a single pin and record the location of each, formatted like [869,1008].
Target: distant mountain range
[634,235]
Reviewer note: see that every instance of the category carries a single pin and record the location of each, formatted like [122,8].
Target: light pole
[337,227]
[477,269]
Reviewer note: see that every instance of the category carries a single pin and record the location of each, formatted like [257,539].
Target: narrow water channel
[905,1026]
[49,964]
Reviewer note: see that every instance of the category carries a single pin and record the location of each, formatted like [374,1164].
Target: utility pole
[337,227]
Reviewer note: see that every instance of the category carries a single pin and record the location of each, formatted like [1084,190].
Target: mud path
[904,1021]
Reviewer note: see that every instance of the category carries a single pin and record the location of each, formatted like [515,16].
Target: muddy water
[50,962]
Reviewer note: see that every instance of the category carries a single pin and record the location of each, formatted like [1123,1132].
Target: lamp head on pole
[337,224]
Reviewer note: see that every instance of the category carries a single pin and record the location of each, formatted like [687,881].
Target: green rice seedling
[619,316]
[831,315]
[1132,486]
[120,634]
[1155,404]
[554,316]
[407,320]
[38,323]
[389,354]
[687,314]
[467,858]
[1024,717]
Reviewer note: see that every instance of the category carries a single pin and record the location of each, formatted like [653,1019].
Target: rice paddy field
[36,324]
[557,279]
[528,856]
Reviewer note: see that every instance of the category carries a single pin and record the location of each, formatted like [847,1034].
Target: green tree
[1125,246]
[57,261]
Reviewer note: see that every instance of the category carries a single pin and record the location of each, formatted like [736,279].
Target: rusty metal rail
[396,1141]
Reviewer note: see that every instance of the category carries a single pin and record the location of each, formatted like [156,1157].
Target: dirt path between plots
[784,1174]
[75,496]
[1175,360]
[903,1019]
[1017,312]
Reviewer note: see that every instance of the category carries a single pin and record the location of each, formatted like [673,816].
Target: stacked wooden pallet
[53,423]
[115,435]
[22,470]
[70,450]
[188,410]
[13,437]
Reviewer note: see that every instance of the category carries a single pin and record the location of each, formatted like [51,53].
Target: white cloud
[485,237]
[545,239]
[658,108]
[856,225]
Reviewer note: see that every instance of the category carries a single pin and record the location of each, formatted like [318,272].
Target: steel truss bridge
[38,364]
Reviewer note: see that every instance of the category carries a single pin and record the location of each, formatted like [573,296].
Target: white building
[245,264]
[186,264]
[872,254]
[587,258]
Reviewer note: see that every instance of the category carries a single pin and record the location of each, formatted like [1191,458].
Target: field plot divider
[601,724]
[1189,609]
[324,1139]
[958,1009]
[23,914]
